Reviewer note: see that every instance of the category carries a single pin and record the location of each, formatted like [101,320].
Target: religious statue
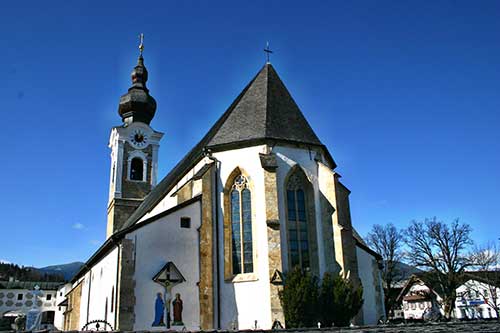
[177,303]
[159,311]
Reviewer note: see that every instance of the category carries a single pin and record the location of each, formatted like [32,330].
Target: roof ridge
[266,103]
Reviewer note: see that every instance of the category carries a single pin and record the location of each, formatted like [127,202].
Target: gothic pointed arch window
[239,247]
[241,226]
[300,224]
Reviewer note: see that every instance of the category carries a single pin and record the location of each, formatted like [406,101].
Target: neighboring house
[18,297]
[418,299]
[476,298]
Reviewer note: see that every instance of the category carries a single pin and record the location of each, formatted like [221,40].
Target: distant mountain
[406,270]
[66,270]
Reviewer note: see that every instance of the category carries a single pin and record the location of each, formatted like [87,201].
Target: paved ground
[458,327]
[476,326]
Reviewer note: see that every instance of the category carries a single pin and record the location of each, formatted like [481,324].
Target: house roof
[30,285]
[430,279]
[264,112]
[362,244]
[488,277]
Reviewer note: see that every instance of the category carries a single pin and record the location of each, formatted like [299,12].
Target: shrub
[299,298]
[305,302]
[339,301]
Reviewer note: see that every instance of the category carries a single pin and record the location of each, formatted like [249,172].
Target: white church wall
[101,280]
[156,244]
[247,300]
[371,310]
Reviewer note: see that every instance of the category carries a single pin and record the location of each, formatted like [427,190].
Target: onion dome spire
[137,104]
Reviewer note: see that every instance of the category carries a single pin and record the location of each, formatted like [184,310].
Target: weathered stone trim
[72,314]
[125,303]
[185,192]
[273,239]
[119,210]
[206,284]
[335,199]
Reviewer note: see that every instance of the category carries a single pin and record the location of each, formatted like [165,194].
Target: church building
[209,245]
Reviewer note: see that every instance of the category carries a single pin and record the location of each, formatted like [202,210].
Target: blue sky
[405,94]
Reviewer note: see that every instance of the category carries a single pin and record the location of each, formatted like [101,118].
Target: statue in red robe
[177,304]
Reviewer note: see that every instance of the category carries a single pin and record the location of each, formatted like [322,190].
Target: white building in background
[476,298]
[19,297]
[207,247]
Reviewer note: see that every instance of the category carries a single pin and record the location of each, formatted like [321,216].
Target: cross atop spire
[141,43]
[268,51]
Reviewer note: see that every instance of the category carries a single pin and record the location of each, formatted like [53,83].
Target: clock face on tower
[138,138]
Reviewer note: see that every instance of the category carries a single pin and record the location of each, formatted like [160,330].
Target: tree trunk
[449,305]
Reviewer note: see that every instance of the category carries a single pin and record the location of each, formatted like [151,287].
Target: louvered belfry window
[241,226]
[298,238]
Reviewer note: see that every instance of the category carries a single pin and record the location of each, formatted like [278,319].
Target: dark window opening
[112,298]
[49,297]
[136,169]
[48,317]
[19,297]
[185,222]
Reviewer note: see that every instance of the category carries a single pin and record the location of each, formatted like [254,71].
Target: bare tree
[487,263]
[442,249]
[387,241]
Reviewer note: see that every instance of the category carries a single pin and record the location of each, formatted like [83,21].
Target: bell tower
[134,150]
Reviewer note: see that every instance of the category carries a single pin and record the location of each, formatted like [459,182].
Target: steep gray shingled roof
[264,110]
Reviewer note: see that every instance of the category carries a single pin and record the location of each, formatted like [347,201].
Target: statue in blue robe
[159,311]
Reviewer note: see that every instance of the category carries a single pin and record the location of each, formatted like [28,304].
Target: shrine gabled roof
[263,112]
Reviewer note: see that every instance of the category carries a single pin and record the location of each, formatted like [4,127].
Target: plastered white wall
[247,301]
[156,244]
[366,267]
[102,282]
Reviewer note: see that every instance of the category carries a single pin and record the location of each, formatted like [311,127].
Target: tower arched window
[241,226]
[297,222]
[136,169]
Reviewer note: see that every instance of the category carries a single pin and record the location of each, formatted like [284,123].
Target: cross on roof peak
[141,43]
[268,52]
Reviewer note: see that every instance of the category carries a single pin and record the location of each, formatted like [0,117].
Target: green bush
[339,301]
[299,298]
[305,303]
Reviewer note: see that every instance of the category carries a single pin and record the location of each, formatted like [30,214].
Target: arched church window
[298,233]
[136,169]
[241,226]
